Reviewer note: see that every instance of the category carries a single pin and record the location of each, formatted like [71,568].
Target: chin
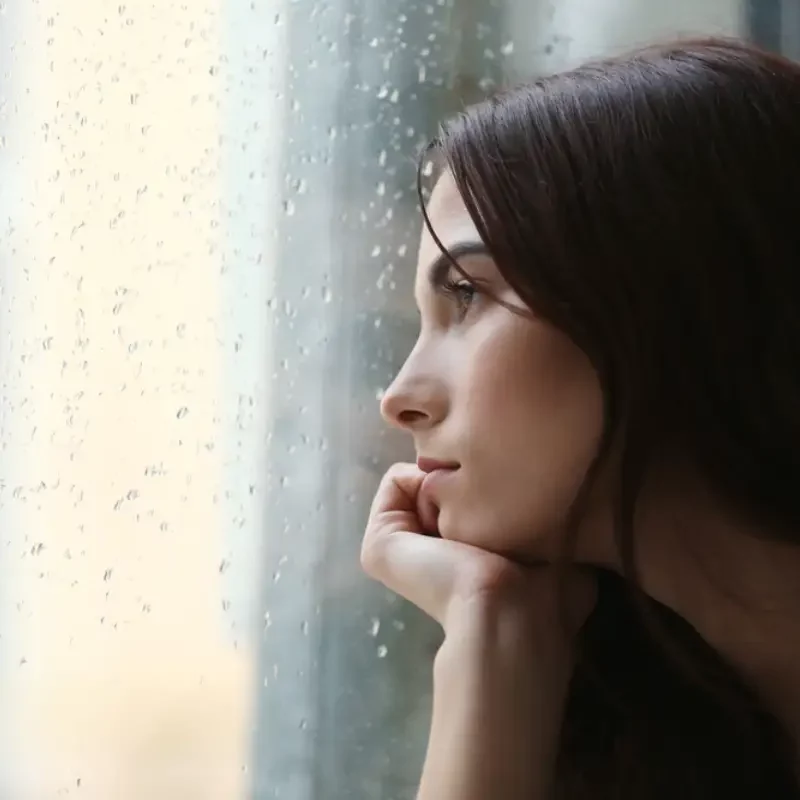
[498,537]
[445,527]
[451,529]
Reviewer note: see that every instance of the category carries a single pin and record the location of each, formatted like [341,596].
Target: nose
[414,401]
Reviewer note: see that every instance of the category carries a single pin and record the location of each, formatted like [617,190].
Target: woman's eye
[463,293]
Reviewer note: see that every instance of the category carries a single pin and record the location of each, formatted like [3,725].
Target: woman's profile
[605,402]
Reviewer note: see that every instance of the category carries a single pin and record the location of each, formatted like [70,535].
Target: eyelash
[462,292]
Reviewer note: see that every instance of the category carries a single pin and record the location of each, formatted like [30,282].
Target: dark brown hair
[646,206]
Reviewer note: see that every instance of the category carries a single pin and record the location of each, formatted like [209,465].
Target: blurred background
[208,230]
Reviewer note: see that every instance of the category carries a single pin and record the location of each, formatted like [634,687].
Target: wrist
[495,644]
[498,703]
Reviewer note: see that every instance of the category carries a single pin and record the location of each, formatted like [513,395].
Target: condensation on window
[209,226]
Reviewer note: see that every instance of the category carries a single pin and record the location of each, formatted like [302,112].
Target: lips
[432,464]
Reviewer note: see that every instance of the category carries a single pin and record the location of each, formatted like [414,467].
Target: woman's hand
[502,674]
[447,579]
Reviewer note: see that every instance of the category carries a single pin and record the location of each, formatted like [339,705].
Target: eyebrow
[442,265]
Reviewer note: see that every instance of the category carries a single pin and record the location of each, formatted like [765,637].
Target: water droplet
[304,628]
[507,49]
[375,626]
[289,208]
[327,295]
[383,651]
[182,412]
[303,725]
[383,92]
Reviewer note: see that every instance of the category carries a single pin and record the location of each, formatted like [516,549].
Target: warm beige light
[117,675]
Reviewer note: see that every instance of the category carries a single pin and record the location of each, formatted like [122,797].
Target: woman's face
[505,400]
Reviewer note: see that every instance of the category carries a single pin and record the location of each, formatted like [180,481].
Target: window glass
[209,228]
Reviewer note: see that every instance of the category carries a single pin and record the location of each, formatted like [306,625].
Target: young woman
[605,401]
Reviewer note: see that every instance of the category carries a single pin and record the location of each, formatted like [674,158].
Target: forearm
[497,712]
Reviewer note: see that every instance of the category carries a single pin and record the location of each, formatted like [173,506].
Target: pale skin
[513,409]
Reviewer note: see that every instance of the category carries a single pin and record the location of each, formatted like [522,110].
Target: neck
[738,588]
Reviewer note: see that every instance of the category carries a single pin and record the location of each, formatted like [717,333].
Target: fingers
[393,511]
[399,494]
[397,553]
[414,566]
[396,499]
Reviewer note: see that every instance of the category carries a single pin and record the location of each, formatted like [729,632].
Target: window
[209,230]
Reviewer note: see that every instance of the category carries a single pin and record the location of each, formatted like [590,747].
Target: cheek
[527,378]
[534,419]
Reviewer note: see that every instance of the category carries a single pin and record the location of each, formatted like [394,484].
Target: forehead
[450,220]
